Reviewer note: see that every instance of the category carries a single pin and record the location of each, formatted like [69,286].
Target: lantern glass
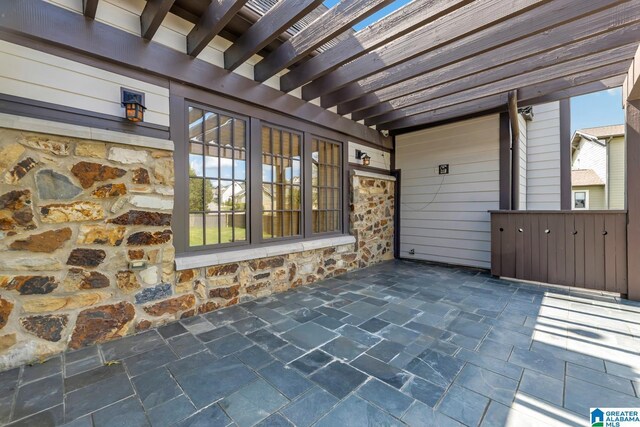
[134,111]
[366,160]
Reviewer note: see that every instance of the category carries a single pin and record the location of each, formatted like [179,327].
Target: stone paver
[400,343]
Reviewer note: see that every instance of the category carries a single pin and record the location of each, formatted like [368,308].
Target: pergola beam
[569,54]
[213,20]
[333,22]
[557,71]
[529,95]
[591,29]
[89,8]
[402,21]
[631,87]
[490,27]
[278,19]
[152,16]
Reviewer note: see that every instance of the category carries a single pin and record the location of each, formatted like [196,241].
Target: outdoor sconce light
[361,155]
[133,103]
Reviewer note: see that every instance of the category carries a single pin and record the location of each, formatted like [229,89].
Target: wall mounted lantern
[133,103]
[361,155]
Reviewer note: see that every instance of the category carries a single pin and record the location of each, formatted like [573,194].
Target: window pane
[226,163]
[267,197]
[226,195]
[239,133]
[195,161]
[196,195]
[240,164]
[211,234]
[277,224]
[211,128]
[287,197]
[196,230]
[211,162]
[297,198]
[226,228]
[239,196]
[195,125]
[240,227]
[267,219]
[226,125]
[286,231]
[295,147]
[211,195]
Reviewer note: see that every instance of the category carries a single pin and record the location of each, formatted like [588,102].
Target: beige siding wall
[597,197]
[125,15]
[444,218]
[32,74]
[379,159]
[543,158]
[617,173]
[522,125]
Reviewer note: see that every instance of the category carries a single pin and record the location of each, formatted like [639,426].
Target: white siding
[444,218]
[36,75]
[379,159]
[543,158]
[522,125]
[591,155]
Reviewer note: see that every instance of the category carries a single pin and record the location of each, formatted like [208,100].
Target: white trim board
[30,124]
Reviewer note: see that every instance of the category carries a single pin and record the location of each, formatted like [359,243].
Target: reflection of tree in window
[281,183]
[217,178]
[326,175]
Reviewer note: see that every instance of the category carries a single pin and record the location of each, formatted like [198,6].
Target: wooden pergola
[427,62]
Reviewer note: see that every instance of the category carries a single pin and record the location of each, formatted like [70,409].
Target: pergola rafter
[273,23]
[576,56]
[213,20]
[525,94]
[402,21]
[620,56]
[499,31]
[333,22]
[152,16]
[89,8]
[606,28]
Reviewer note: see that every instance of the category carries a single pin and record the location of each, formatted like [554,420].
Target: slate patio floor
[399,343]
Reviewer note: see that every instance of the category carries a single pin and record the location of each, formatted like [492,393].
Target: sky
[597,109]
[376,16]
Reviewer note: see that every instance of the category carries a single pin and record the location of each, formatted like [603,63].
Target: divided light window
[281,183]
[326,180]
[217,178]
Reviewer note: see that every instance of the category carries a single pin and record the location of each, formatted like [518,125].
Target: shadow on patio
[399,343]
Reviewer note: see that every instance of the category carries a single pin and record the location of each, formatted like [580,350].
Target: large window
[281,183]
[217,178]
[254,182]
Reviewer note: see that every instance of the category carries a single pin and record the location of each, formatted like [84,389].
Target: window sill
[190,261]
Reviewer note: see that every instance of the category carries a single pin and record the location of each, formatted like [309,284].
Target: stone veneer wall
[74,213]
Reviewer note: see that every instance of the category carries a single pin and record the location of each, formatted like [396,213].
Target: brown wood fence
[586,249]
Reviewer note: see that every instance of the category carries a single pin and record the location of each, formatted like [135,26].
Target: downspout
[515,150]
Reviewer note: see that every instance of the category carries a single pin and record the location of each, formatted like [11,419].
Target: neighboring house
[597,168]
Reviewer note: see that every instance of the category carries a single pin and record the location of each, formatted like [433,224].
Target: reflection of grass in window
[195,235]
